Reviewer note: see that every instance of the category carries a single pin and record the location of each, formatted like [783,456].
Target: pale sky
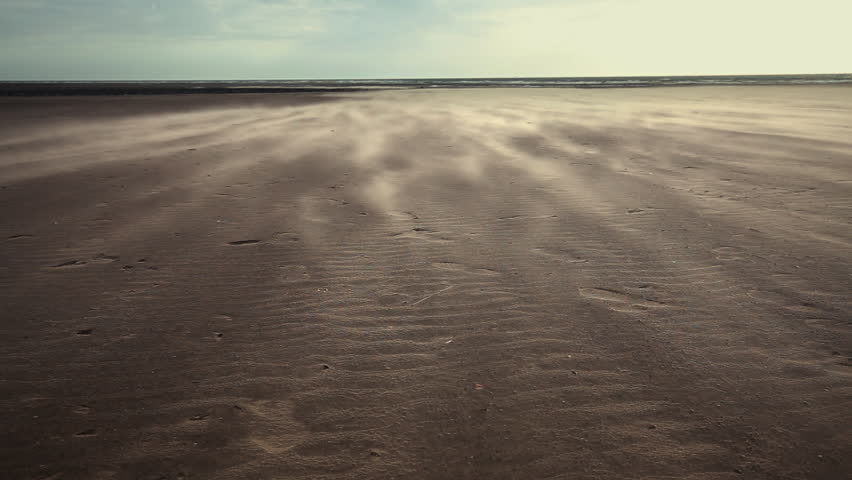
[313,39]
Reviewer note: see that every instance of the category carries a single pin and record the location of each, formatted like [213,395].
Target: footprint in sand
[422,233]
[69,264]
[101,258]
[561,255]
[404,215]
[620,301]
[82,410]
[244,242]
[285,236]
[456,267]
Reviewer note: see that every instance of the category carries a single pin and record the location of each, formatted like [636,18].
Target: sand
[465,284]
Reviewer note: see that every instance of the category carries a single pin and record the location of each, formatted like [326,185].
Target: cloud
[276,18]
[642,37]
[187,18]
[418,38]
[116,39]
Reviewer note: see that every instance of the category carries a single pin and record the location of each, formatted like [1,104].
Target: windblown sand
[466,284]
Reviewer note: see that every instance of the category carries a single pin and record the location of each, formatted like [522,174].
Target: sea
[29,88]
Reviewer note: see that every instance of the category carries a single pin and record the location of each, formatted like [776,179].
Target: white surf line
[427,297]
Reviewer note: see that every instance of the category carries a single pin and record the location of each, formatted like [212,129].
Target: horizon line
[418,78]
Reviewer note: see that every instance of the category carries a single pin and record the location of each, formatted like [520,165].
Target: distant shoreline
[78,88]
[118,89]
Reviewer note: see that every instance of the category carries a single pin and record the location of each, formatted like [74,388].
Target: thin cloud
[56,39]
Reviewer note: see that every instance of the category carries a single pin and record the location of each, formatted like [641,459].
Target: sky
[326,39]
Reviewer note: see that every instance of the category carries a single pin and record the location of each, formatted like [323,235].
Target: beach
[428,284]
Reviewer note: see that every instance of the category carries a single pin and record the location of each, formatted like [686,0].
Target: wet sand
[465,284]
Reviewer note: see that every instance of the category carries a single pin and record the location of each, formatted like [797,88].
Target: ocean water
[575,82]
[238,86]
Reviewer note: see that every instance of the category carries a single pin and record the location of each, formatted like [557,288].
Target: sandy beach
[428,284]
